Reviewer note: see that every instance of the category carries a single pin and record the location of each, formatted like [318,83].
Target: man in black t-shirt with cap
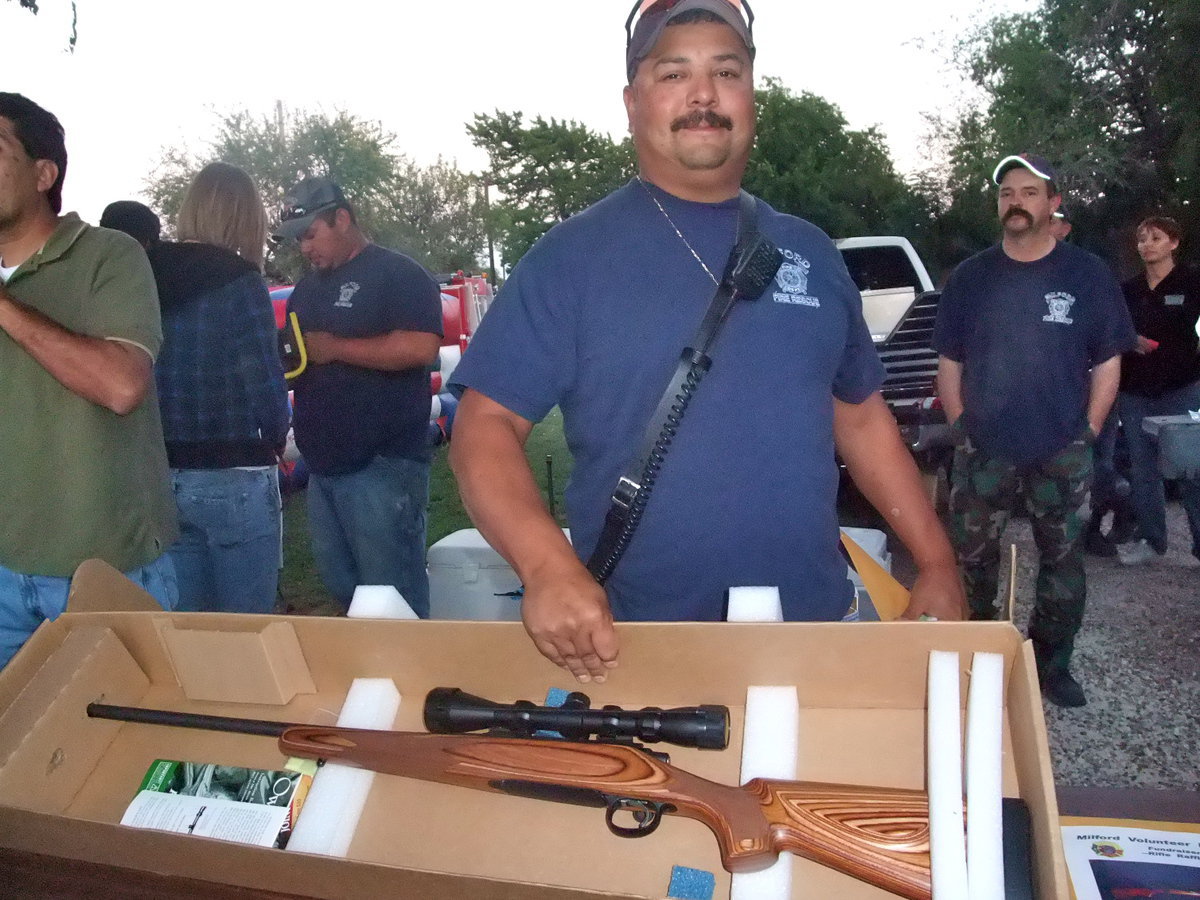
[372,323]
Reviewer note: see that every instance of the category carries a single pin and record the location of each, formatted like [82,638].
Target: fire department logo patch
[1060,303]
[792,279]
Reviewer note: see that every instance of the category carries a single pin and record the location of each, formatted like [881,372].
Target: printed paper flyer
[1110,860]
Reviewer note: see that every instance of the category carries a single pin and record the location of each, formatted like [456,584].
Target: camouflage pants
[984,492]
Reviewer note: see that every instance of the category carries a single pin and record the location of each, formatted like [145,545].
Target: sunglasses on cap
[297,211]
[644,7]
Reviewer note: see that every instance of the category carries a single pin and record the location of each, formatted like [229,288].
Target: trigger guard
[647,813]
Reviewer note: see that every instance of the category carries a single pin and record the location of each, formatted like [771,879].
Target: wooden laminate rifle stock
[878,835]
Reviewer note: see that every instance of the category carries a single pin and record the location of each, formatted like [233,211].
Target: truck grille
[909,357]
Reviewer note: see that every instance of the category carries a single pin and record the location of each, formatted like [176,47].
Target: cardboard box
[66,779]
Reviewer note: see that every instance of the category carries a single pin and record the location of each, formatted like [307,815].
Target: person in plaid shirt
[222,395]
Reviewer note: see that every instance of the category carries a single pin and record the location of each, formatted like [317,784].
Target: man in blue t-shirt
[1030,334]
[593,320]
[372,323]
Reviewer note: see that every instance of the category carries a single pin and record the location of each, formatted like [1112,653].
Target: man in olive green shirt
[83,469]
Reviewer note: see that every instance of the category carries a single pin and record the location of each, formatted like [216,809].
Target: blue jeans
[368,527]
[1149,499]
[28,600]
[227,557]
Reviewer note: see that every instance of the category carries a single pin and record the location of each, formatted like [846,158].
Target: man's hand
[320,346]
[1145,345]
[938,593]
[567,616]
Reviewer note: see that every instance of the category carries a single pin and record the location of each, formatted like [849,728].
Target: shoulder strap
[752,264]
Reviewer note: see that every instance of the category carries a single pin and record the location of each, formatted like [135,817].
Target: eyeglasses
[656,7]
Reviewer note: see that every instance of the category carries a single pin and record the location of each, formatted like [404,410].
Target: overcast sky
[147,74]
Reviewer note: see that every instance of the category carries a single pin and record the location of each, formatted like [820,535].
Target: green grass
[300,588]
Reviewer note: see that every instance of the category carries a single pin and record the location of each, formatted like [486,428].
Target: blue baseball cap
[655,15]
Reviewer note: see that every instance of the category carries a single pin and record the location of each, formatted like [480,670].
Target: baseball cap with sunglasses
[304,203]
[648,18]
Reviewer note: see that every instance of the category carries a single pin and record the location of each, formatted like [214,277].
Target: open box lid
[98,587]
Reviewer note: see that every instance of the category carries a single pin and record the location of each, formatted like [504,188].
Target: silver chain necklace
[675,228]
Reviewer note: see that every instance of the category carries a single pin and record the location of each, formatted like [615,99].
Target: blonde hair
[222,207]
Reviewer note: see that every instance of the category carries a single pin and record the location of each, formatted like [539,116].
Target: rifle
[878,835]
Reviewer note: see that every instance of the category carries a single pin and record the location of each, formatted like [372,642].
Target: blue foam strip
[691,884]
[554,697]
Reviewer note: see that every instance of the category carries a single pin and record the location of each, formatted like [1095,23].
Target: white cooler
[468,579]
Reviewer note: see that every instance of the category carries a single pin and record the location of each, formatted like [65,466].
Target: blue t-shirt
[1027,335]
[347,415]
[594,318]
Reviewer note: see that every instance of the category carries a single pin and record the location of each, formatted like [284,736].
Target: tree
[807,162]
[545,172]
[32,6]
[1107,89]
[434,214]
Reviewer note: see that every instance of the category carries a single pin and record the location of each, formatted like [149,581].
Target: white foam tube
[379,601]
[943,750]
[754,604]
[770,743]
[338,794]
[985,830]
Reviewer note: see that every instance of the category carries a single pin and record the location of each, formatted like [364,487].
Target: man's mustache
[1017,211]
[699,117]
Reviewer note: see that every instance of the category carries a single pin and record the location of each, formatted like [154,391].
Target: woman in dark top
[222,395]
[1160,378]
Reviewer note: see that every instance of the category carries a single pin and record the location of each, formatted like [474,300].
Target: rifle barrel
[259,727]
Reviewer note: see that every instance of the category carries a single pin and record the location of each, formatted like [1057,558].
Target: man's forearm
[884,472]
[499,492]
[949,385]
[112,374]
[395,351]
[1106,378]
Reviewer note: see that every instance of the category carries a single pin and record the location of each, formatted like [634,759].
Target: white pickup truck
[900,305]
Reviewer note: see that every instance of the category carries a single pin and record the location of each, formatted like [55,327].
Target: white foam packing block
[770,744]
[754,604]
[338,793]
[379,601]
[943,750]
[985,824]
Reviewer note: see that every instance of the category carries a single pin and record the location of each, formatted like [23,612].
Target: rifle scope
[454,711]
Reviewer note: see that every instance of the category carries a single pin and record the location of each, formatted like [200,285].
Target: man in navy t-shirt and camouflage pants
[372,324]
[1030,334]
